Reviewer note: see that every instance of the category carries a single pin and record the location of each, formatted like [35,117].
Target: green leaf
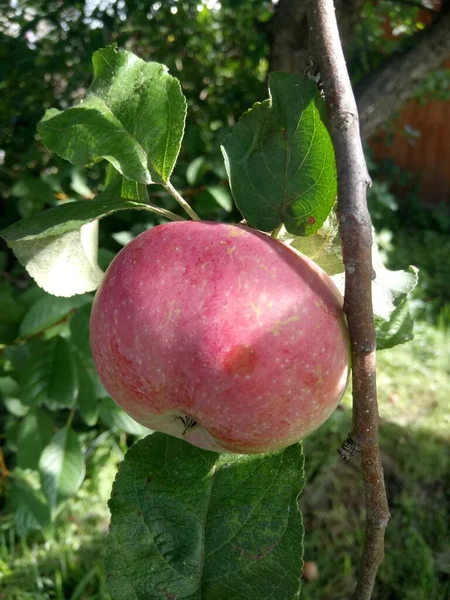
[62,467]
[11,312]
[9,395]
[58,246]
[280,159]
[133,116]
[18,356]
[32,510]
[389,288]
[50,310]
[196,169]
[87,398]
[222,196]
[323,247]
[398,330]
[50,375]
[117,419]
[34,434]
[79,331]
[188,523]
[70,216]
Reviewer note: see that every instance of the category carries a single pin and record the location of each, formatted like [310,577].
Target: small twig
[181,201]
[356,234]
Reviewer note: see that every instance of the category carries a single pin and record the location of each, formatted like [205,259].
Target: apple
[220,335]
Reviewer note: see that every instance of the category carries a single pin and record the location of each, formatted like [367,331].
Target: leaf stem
[167,214]
[70,417]
[181,201]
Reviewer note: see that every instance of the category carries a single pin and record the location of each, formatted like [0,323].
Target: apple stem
[181,201]
[355,229]
[276,232]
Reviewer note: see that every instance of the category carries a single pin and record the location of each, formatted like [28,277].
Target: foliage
[205,524]
[53,430]
[415,232]
[57,372]
[414,384]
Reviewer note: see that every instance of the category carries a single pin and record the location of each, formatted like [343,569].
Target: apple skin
[224,326]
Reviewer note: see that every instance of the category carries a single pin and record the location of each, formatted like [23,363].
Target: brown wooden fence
[421,145]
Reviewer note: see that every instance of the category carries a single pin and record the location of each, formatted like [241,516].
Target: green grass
[414,392]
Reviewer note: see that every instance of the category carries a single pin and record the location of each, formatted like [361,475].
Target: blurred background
[53,409]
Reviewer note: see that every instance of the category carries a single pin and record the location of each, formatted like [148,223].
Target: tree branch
[384,90]
[356,233]
[288,32]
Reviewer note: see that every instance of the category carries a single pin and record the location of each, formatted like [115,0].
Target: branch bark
[384,90]
[288,33]
[356,234]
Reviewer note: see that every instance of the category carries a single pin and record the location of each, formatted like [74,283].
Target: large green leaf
[191,524]
[62,467]
[34,434]
[79,330]
[50,310]
[58,246]
[280,159]
[133,116]
[50,375]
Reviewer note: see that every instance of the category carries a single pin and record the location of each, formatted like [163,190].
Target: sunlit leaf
[49,376]
[133,116]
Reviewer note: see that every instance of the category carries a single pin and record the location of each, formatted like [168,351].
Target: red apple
[221,335]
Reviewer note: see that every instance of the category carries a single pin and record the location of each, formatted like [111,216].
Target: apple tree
[231,337]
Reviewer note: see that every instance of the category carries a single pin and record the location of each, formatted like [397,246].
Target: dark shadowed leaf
[205,525]
[79,330]
[87,398]
[50,375]
[34,434]
[49,310]
[133,116]
[61,467]
[32,510]
[280,159]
